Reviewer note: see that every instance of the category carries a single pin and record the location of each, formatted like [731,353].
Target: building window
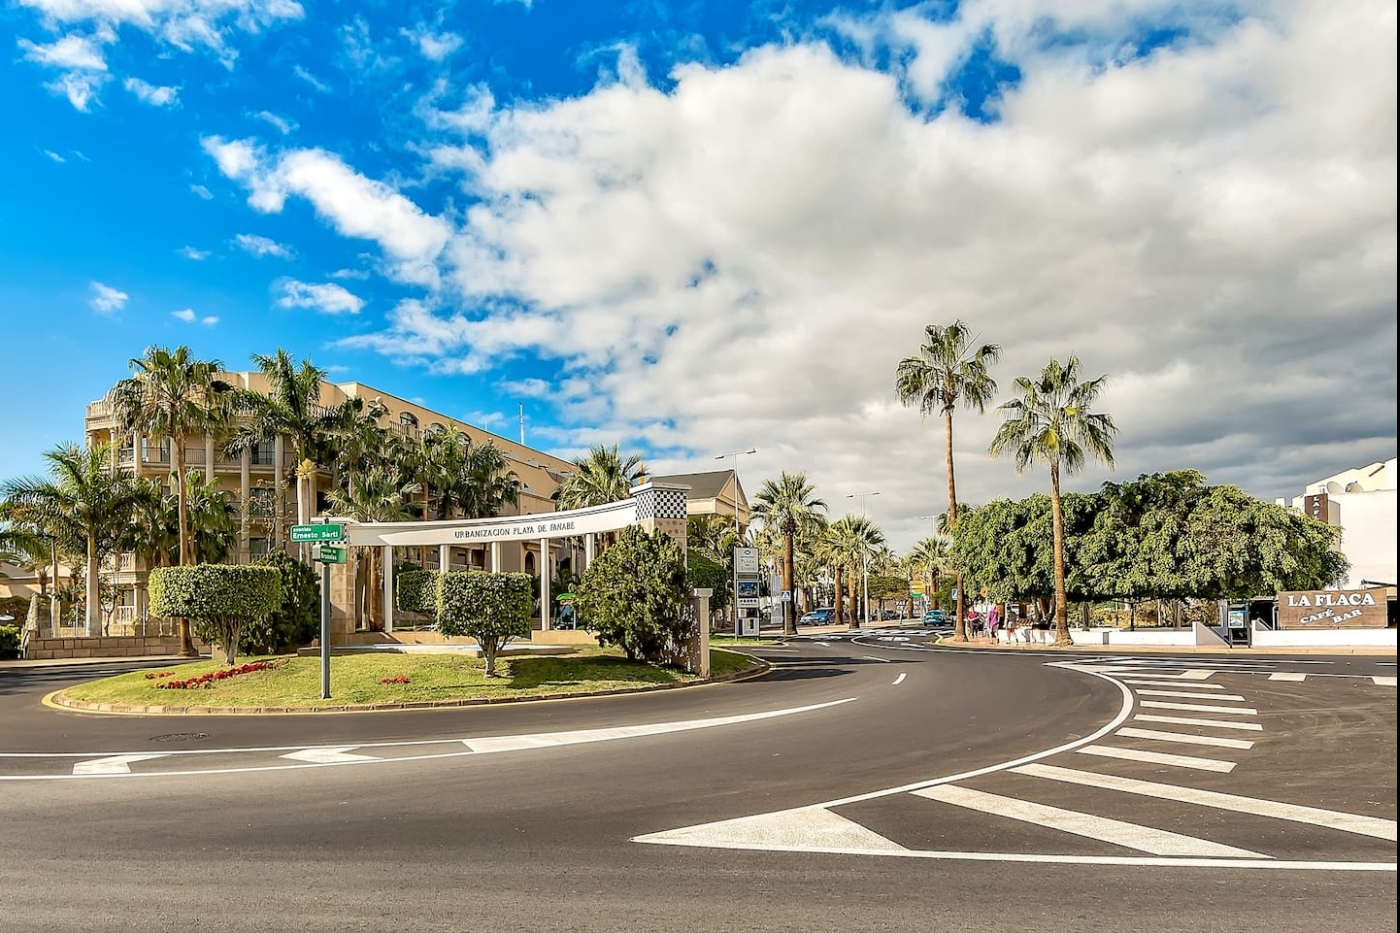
[261,454]
[257,547]
[433,428]
[408,419]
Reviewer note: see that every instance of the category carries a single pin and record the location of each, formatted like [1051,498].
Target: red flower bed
[396,679]
[208,678]
[157,675]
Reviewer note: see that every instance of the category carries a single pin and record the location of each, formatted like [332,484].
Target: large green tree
[1051,422]
[791,505]
[949,371]
[169,397]
[84,504]
[852,540]
[600,477]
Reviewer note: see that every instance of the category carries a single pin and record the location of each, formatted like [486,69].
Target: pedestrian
[993,622]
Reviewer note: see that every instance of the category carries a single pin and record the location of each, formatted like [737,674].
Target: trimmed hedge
[9,642]
[492,608]
[416,590]
[221,598]
[297,620]
[634,596]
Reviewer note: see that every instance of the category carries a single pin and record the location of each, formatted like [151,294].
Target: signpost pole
[325,631]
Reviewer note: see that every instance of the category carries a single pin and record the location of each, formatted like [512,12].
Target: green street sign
[332,531]
[331,555]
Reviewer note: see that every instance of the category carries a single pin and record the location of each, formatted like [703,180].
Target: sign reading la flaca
[1332,609]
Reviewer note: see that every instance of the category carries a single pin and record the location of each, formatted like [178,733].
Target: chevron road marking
[1198,708]
[1117,832]
[1159,758]
[1384,681]
[1172,683]
[1213,723]
[1331,819]
[1185,738]
[1224,697]
[329,756]
[1288,677]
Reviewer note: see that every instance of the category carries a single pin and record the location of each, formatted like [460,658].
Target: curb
[56,700]
[944,641]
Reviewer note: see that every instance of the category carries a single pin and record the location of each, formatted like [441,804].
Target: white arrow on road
[329,756]
[114,764]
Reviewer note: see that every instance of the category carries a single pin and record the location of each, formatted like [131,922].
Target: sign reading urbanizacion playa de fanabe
[1332,609]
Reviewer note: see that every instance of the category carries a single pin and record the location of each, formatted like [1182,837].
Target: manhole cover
[180,737]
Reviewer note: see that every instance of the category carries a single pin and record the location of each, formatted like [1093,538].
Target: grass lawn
[296,681]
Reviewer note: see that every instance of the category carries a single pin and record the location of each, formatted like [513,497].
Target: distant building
[1362,503]
[717,493]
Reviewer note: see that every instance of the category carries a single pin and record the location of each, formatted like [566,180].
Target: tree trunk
[92,614]
[1061,603]
[838,608]
[959,605]
[856,608]
[187,556]
[789,619]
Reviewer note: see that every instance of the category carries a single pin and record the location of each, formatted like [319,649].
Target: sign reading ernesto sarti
[1332,609]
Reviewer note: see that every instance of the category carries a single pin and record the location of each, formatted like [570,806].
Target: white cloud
[106,299]
[151,94]
[283,125]
[311,79]
[326,297]
[54,156]
[198,255]
[202,192]
[187,315]
[433,46]
[209,320]
[261,246]
[353,204]
[81,61]
[743,258]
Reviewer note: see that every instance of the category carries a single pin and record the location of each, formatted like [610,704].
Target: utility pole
[736,454]
[864,558]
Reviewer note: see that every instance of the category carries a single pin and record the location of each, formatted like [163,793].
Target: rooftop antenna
[522,424]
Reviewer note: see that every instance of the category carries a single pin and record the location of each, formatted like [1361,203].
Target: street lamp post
[736,454]
[864,558]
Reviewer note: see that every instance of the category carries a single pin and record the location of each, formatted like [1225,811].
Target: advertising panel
[1332,609]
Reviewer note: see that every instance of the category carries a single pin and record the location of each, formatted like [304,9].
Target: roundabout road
[861,784]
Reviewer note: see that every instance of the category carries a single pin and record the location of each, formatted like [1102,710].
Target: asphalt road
[840,815]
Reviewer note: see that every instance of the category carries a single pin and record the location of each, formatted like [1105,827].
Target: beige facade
[255,475]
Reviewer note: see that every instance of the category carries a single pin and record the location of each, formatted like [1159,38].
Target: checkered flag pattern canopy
[660,503]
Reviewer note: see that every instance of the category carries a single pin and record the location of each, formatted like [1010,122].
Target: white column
[245,489]
[208,458]
[388,587]
[444,555]
[587,551]
[495,557]
[544,584]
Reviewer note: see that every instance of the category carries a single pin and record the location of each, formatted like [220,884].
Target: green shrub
[634,596]
[416,590]
[493,608]
[704,572]
[9,642]
[298,620]
[221,599]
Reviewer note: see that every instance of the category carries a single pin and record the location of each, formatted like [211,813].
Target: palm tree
[1051,423]
[948,371]
[852,541]
[931,558]
[789,504]
[169,396]
[601,477]
[86,506]
[378,494]
[290,409]
[213,519]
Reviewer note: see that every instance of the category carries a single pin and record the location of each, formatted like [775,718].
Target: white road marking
[805,829]
[1199,675]
[1172,683]
[1185,738]
[1331,819]
[329,756]
[1213,723]
[871,657]
[1116,832]
[115,764]
[1288,677]
[1159,758]
[899,680]
[1200,708]
[1384,681]
[505,744]
[824,644]
[511,743]
[1191,696]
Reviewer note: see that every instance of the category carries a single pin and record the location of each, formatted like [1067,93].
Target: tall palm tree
[931,558]
[213,517]
[790,504]
[379,494]
[949,371]
[852,541]
[1051,423]
[601,477]
[86,506]
[290,409]
[169,396]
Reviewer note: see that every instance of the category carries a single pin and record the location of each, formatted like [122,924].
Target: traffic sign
[786,596]
[331,531]
[328,554]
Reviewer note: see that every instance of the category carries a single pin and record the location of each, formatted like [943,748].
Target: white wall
[1368,534]
[1138,637]
[1324,638]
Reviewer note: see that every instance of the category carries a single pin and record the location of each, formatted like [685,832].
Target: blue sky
[697,227]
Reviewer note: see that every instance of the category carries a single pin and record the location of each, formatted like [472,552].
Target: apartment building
[255,474]
[1360,501]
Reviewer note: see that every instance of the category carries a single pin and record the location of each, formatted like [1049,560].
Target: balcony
[99,411]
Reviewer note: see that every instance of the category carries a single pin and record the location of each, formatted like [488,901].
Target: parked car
[821,616]
[934,617]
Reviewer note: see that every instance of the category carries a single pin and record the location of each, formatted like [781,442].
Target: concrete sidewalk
[986,644]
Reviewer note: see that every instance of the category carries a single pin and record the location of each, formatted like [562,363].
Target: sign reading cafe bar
[1332,609]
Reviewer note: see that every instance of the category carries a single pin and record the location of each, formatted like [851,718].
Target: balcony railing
[99,410]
